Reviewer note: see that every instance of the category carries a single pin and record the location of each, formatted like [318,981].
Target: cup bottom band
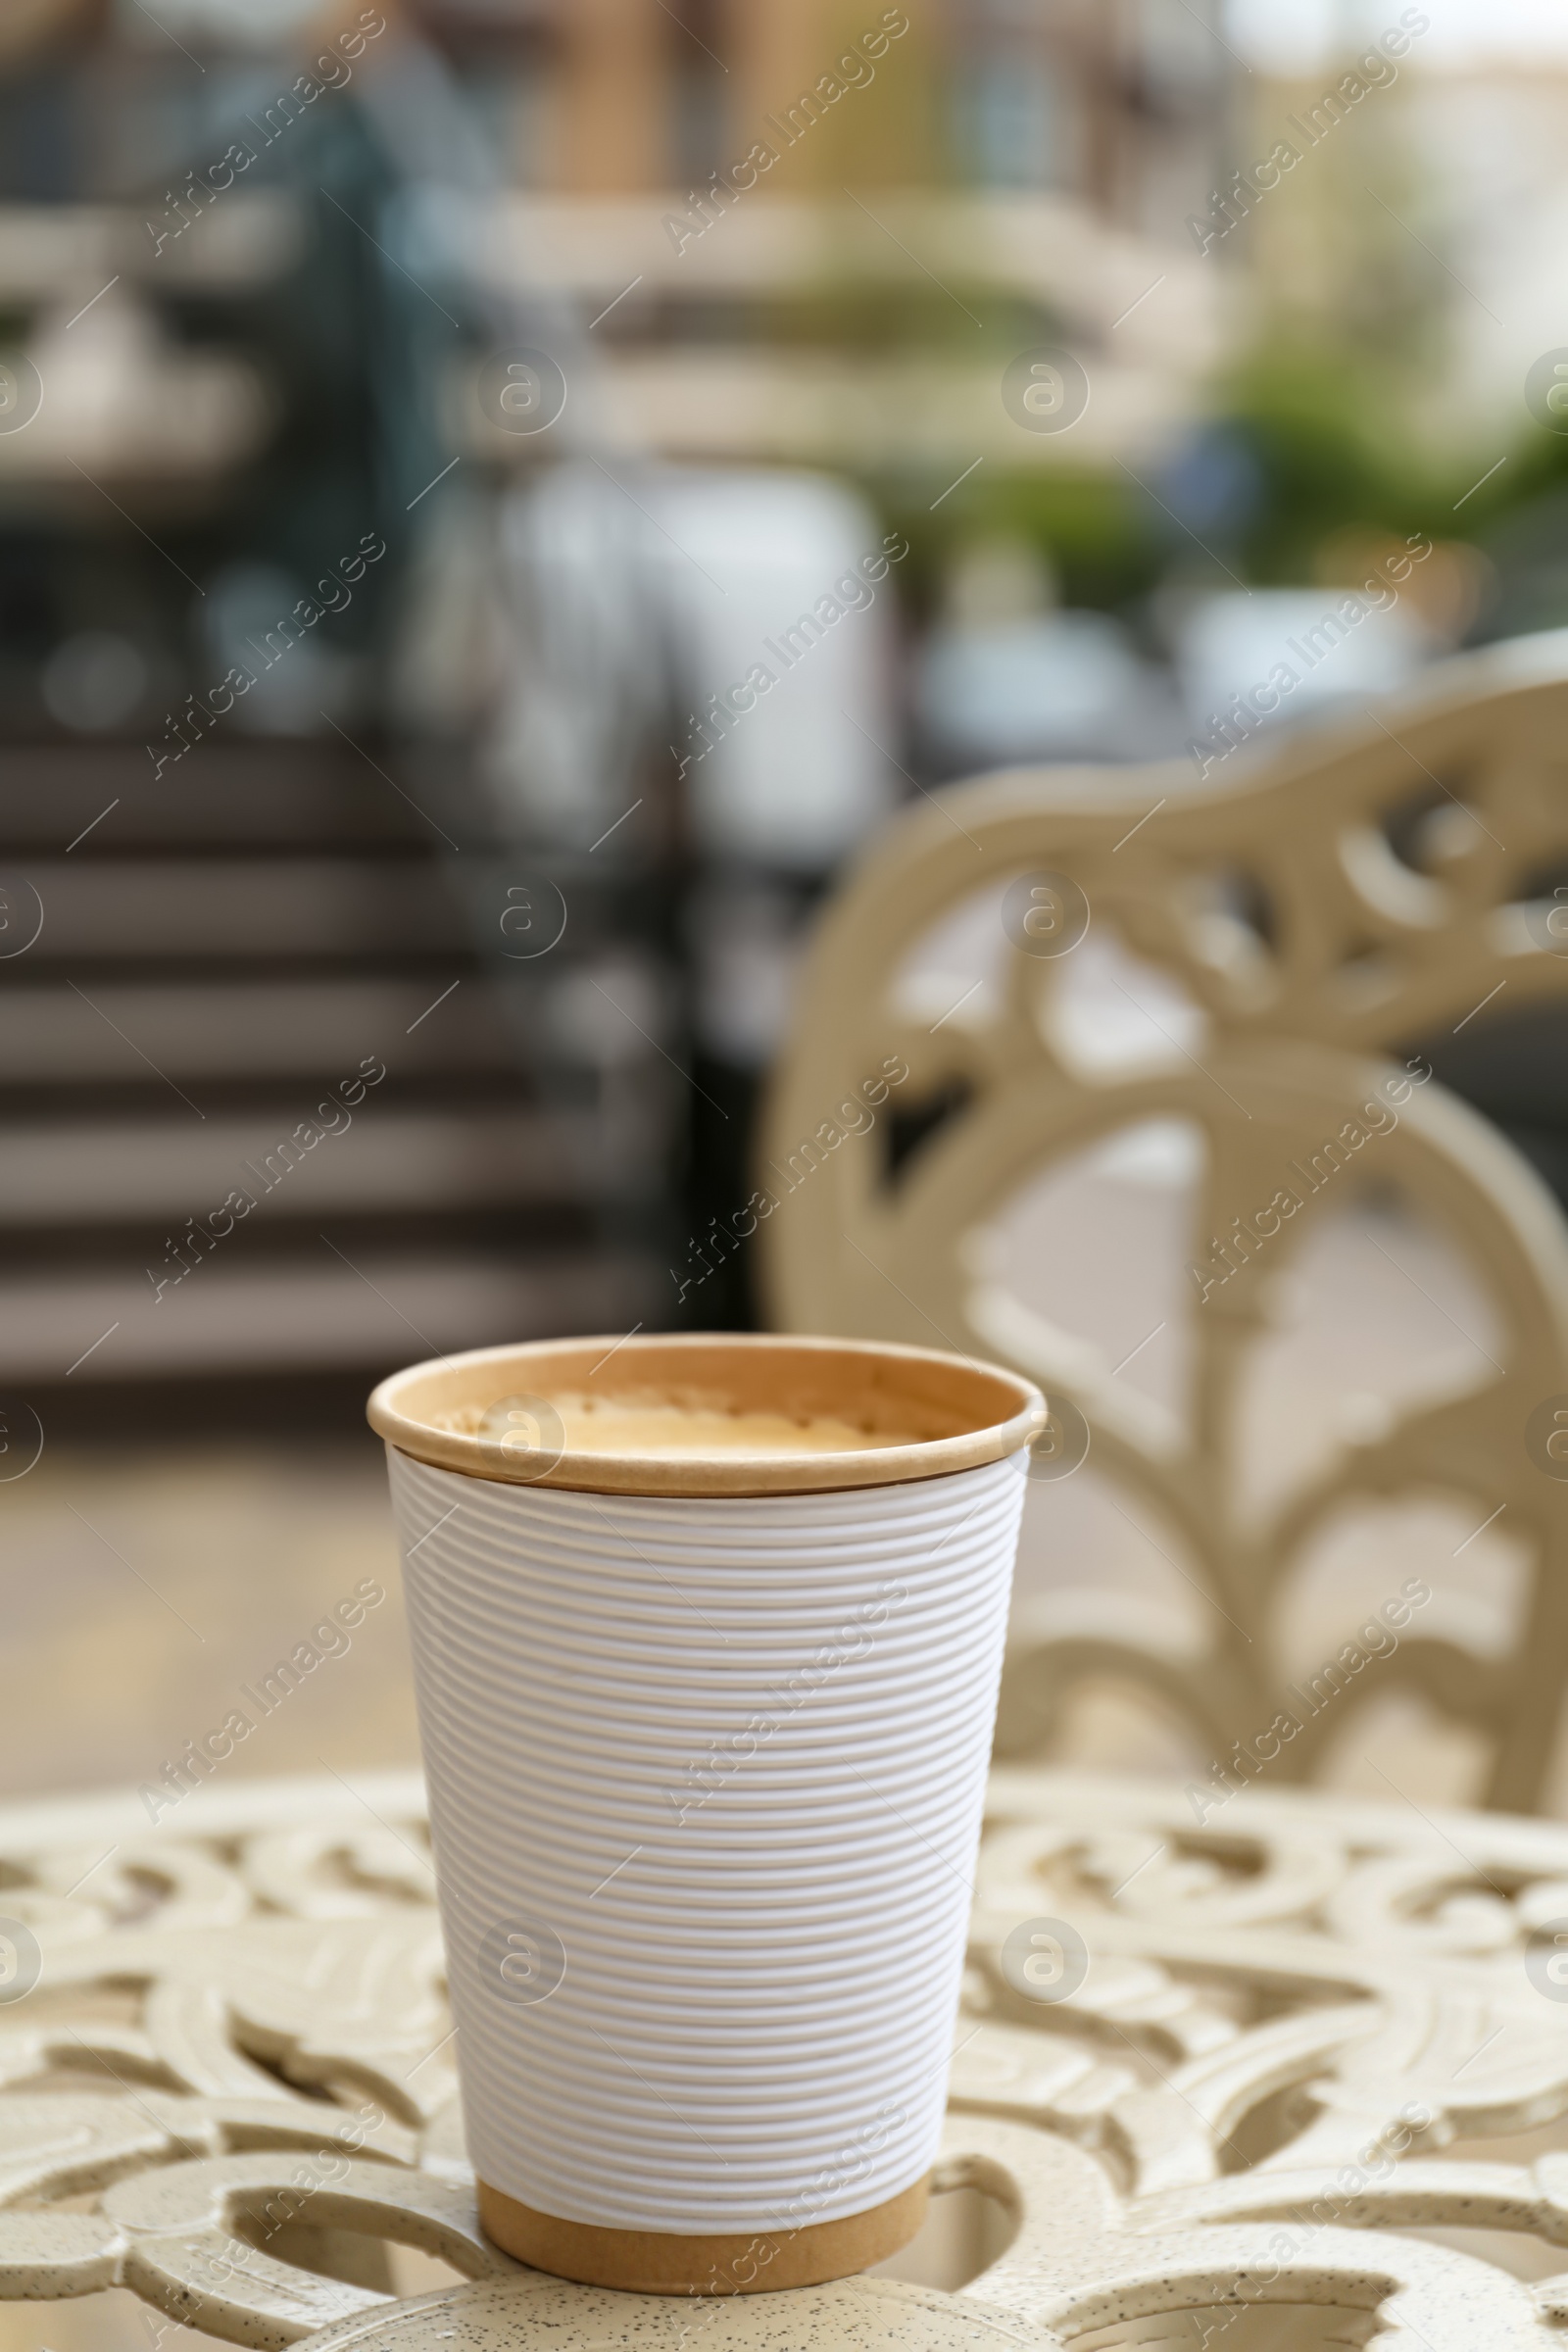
[656,2262]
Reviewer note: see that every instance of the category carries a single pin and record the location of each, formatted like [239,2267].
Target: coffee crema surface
[674,1430]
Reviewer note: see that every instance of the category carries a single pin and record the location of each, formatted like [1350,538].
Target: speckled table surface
[1294,2078]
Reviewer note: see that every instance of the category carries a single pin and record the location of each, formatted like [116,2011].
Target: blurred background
[419,426]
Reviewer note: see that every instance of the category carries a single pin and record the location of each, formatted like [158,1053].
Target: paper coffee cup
[706,1634]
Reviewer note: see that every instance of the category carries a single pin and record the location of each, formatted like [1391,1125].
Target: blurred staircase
[226,957]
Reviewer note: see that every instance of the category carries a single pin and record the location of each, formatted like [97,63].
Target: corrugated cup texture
[706,1781]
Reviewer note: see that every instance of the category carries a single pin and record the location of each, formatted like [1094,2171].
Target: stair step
[306,793]
[318,1313]
[248,931]
[156,909]
[238,1031]
[376,1160]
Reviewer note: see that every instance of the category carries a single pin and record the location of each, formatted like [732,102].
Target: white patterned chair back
[1096,976]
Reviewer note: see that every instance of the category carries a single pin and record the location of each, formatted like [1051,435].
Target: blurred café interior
[420,423]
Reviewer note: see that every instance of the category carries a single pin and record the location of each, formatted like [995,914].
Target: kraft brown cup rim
[975,1412]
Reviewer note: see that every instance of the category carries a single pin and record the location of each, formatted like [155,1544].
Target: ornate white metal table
[1295,2078]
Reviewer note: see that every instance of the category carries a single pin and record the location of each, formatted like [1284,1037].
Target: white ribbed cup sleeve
[706,1781]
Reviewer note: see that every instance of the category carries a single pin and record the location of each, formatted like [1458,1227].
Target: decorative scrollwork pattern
[1307,2070]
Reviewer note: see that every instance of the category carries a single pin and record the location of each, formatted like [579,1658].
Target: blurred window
[39,149]
[698,128]
[1012,129]
[1180,58]
[698,97]
[502,99]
